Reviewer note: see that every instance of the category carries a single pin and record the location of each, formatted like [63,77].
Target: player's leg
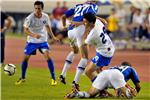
[70,56]
[81,65]
[24,66]
[29,50]
[50,63]
[89,71]
[82,94]
[84,54]
[96,65]
[68,62]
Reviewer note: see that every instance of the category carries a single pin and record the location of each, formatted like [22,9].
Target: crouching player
[110,78]
[113,78]
[129,73]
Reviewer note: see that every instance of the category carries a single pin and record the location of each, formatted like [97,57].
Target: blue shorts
[100,60]
[31,48]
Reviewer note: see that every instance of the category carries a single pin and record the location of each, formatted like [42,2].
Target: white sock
[83,95]
[80,69]
[69,60]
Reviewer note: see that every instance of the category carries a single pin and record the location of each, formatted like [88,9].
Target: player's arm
[135,80]
[28,32]
[50,32]
[64,20]
[66,15]
[7,25]
[88,28]
[77,23]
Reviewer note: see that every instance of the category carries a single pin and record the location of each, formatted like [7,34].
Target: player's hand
[36,35]
[3,29]
[56,39]
[133,90]
[64,29]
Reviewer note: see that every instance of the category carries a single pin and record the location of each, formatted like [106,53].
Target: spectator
[121,14]
[5,24]
[133,10]
[112,26]
[53,22]
[64,7]
[138,20]
[143,30]
[129,24]
[57,12]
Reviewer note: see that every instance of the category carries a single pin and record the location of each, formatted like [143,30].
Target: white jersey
[100,40]
[37,26]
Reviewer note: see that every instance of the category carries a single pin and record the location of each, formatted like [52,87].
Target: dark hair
[90,17]
[39,3]
[125,63]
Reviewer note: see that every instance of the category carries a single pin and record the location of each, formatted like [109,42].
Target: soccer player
[36,26]
[115,77]
[129,73]
[97,37]
[75,33]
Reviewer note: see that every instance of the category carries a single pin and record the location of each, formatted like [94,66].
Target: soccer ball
[9,69]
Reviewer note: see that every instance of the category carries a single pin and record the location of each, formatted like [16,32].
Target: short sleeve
[26,22]
[47,21]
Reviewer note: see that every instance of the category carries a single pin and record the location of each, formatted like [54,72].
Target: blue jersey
[79,10]
[129,73]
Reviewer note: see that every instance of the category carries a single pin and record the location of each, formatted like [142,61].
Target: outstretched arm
[50,32]
[64,20]
[7,25]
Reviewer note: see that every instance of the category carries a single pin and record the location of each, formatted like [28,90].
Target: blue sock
[51,68]
[24,68]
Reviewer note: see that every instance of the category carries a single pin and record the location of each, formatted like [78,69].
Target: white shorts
[75,35]
[109,78]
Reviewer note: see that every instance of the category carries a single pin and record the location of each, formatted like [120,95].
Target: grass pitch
[37,86]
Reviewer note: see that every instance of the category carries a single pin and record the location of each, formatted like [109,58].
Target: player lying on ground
[75,34]
[129,73]
[113,77]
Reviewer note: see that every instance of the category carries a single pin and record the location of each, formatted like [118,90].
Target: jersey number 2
[103,36]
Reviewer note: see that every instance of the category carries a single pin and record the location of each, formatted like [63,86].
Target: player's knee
[26,58]
[84,51]
[88,73]
[75,50]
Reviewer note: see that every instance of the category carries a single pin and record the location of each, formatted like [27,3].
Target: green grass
[37,86]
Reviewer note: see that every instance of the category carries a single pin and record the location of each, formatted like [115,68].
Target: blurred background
[128,20]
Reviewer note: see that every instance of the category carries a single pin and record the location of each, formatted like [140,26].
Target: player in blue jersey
[37,26]
[75,33]
[114,77]
[129,73]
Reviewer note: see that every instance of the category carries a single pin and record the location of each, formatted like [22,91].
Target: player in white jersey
[97,37]
[36,26]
